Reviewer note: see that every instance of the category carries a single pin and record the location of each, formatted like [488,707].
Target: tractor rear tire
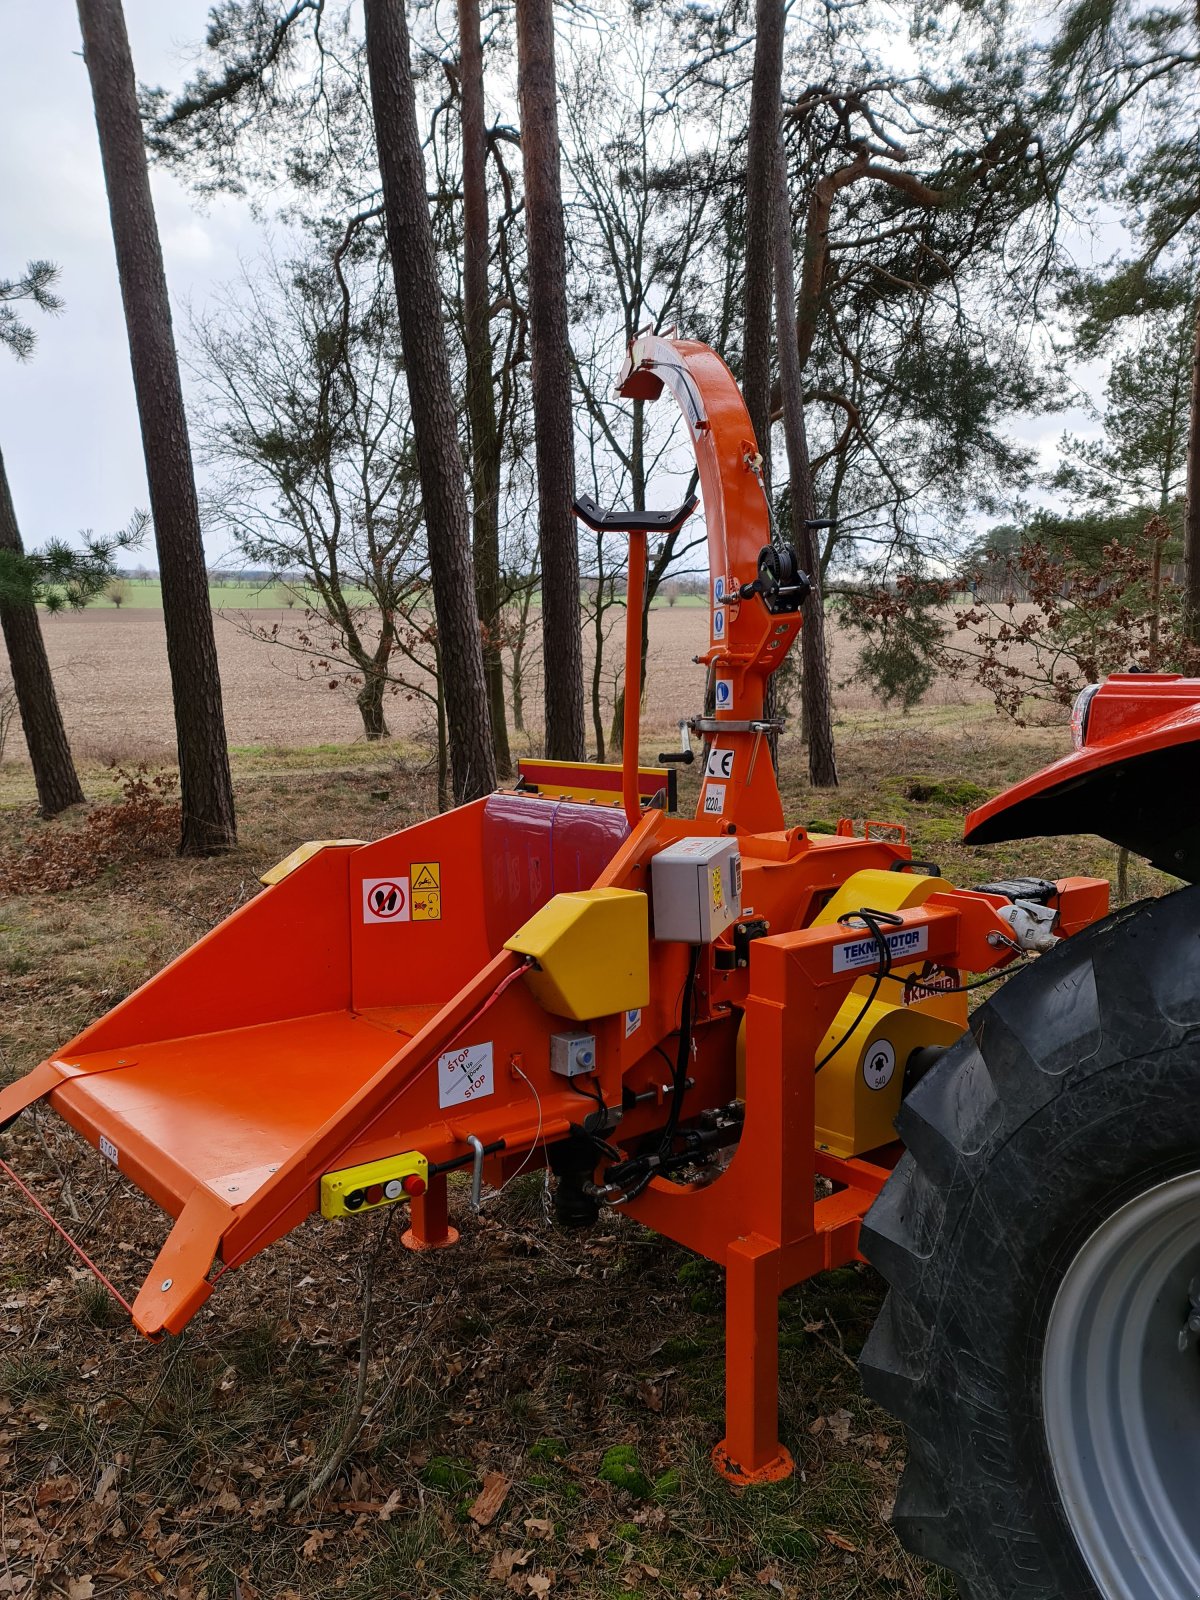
[1041,1242]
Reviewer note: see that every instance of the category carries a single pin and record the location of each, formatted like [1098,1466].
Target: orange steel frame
[296,1040]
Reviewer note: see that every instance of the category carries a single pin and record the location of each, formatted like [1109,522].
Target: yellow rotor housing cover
[858,1091]
[592,949]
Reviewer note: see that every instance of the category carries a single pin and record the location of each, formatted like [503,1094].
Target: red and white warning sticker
[386,900]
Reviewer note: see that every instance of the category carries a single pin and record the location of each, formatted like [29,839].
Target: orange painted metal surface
[1133,714]
[365,1005]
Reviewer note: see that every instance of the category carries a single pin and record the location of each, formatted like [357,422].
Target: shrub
[143,822]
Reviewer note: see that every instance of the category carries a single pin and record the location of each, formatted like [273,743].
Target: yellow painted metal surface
[879,891]
[858,1091]
[389,1172]
[301,854]
[592,950]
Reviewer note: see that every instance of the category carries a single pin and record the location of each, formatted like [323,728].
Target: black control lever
[670,757]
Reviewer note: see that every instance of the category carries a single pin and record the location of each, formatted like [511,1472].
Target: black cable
[961,988]
[870,920]
[684,1055]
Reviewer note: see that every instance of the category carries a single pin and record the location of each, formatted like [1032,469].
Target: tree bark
[553,419]
[435,424]
[1191,515]
[814,685]
[762,145]
[481,397]
[45,737]
[205,786]
[370,706]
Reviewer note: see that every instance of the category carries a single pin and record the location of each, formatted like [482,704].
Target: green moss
[958,793]
[683,1347]
[546,1450]
[821,825]
[629,1531]
[621,1468]
[440,1472]
[668,1484]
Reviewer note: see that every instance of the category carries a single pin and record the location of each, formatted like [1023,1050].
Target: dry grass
[168,1469]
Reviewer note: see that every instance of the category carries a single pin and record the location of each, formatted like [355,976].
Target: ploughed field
[110,667]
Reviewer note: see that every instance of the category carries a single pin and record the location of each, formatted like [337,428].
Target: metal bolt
[166,1284]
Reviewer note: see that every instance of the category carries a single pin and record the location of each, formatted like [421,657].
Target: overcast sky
[68,424]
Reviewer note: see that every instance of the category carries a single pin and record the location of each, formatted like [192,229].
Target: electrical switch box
[375,1183]
[572,1054]
[697,887]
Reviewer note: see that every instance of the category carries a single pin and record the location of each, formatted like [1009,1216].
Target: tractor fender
[1133,777]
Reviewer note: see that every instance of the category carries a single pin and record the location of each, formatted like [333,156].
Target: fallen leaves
[312,1546]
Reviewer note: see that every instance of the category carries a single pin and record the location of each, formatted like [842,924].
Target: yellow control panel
[353,1190]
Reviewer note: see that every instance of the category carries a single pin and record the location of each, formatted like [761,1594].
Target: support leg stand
[430,1226]
[751,1452]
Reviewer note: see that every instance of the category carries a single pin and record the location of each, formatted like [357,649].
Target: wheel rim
[1121,1396]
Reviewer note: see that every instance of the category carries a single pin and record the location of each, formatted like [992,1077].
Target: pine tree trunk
[814,686]
[761,148]
[481,396]
[1191,516]
[205,786]
[553,420]
[45,737]
[761,145]
[435,423]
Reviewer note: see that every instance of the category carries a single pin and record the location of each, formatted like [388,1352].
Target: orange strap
[58,1228]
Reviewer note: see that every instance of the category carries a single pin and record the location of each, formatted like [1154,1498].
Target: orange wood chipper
[716,1023]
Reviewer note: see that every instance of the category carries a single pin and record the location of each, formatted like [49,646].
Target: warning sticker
[426,880]
[723,693]
[714,799]
[465,1074]
[385,900]
[718,617]
[718,890]
[109,1149]
[633,1021]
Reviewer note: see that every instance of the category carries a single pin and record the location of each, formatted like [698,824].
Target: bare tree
[206,789]
[481,400]
[439,462]
[304,412]
[553,419]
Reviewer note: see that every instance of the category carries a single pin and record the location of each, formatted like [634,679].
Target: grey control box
[572,1054]
[697,887]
